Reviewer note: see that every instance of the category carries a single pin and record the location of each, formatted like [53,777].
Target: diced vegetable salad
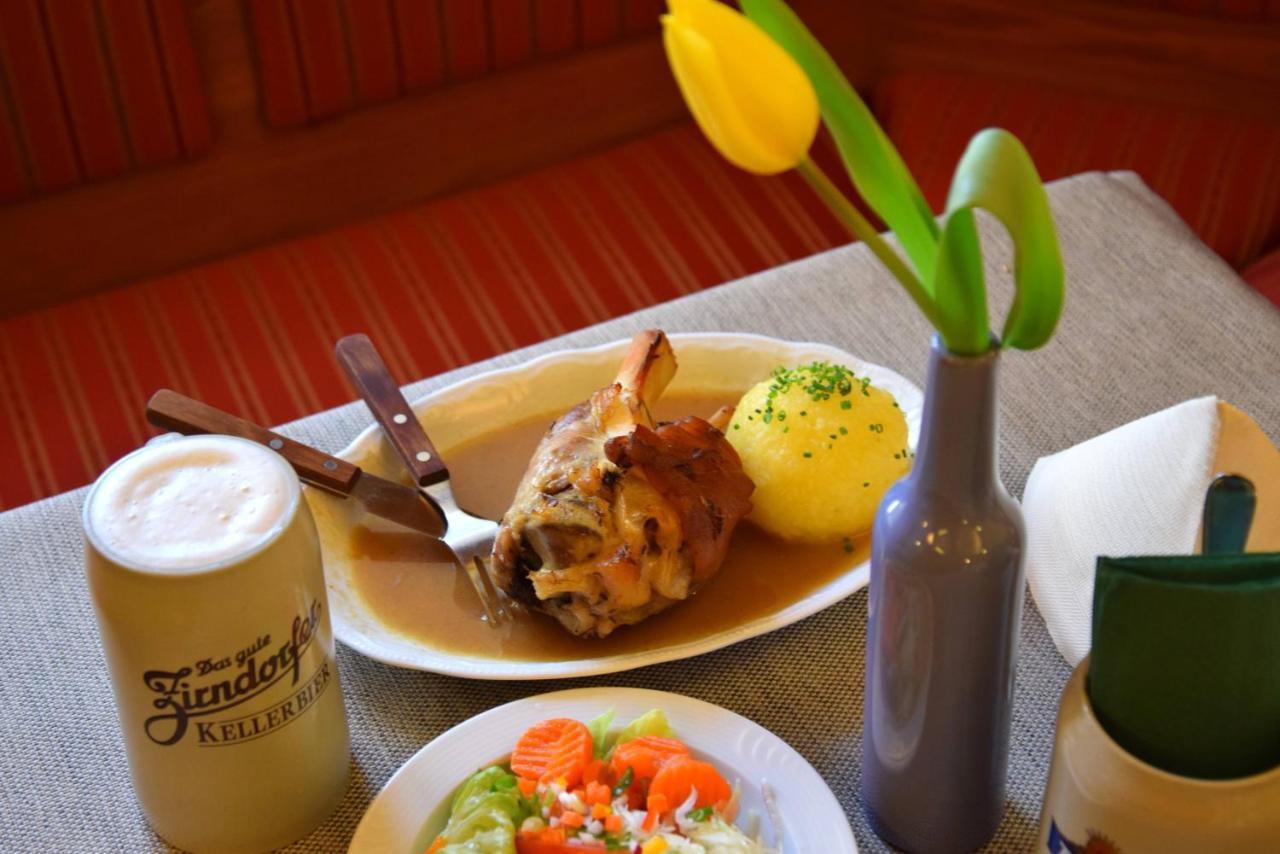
[574,788]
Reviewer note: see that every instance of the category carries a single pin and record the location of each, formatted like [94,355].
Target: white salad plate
[715,363]
[413,807]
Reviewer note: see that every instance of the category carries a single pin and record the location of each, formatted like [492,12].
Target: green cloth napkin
[1184,671]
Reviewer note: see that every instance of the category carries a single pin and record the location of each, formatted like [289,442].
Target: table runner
[1152,318]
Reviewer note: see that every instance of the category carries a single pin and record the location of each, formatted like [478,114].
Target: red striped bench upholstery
[94,90]
[436,286]
[321,58]
[1221,175]
[1264,276]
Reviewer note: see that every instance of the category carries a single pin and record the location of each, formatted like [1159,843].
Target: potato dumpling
[822,446]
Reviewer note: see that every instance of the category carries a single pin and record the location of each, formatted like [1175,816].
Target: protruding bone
[721,418]
[648,366]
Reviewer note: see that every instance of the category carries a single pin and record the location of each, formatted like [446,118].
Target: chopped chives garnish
[820,380]
[624,782]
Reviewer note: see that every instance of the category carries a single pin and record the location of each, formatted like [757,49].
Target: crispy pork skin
[617,518]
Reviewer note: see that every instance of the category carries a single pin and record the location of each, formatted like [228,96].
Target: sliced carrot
[598,793]
[657,803]
[600,811]
[645,755]
[538,843]
[682,775]
[572,819]
[527,787]
[594,772]
[613,824]
[436,845]
[553,750]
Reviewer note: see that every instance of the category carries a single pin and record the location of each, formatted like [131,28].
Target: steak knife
[380,497]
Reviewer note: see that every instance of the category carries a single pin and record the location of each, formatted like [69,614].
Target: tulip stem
[860,228]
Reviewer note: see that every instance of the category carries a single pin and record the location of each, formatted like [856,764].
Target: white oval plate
[412,808]
[708,362]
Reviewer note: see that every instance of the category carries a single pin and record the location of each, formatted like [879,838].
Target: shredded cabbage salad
[575,788]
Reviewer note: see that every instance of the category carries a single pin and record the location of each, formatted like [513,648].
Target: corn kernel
[654,846]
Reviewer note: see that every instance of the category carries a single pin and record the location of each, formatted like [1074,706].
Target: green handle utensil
[1228,514]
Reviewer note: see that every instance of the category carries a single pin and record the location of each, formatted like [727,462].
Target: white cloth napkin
[1137,490]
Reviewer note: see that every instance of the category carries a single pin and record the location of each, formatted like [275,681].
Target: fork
[469,536]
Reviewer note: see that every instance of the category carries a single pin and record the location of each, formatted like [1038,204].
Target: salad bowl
[795,808]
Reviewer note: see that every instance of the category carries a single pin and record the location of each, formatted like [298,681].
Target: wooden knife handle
[182,414]
[369,374]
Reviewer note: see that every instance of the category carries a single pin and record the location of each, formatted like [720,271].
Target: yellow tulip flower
[748,95]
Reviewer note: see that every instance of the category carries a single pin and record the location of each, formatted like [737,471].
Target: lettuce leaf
[718,836]
[599,729]
[485,814]
[653,722]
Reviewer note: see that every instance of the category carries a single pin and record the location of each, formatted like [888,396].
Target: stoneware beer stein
[205,574]
[1102,798]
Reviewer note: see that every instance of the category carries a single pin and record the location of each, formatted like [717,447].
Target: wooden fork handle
[182,414]
[369,374]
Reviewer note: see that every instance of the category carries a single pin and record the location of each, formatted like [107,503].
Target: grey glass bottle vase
[944,611]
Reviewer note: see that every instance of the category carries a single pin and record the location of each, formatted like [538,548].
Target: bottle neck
[958,430]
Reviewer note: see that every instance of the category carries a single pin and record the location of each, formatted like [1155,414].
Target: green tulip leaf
[996,174]
[959,290]
[875,166]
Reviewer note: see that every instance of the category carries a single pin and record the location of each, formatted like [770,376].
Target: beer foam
[190,504]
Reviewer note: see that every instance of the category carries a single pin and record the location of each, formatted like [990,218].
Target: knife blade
[400,504]
[386,499]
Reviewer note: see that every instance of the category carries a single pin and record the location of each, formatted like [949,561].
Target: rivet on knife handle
[182,414]
[369,374]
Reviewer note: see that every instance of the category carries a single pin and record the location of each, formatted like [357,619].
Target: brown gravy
[435,605]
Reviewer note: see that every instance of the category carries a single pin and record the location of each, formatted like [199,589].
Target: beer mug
[204,569]
[1100,797]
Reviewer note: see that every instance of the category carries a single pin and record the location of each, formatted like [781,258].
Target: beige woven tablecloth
[1152,318]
